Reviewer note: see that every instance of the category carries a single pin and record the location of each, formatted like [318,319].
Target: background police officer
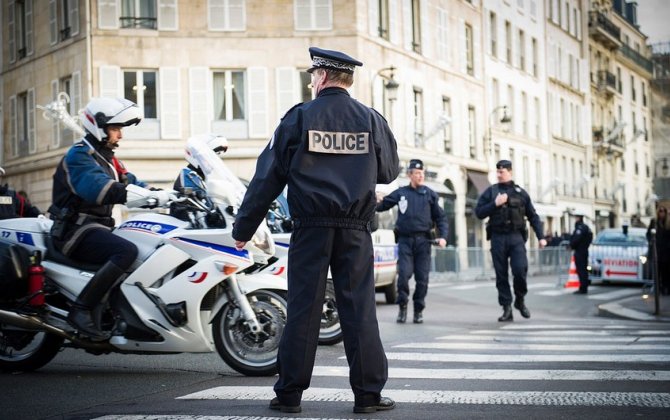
[331,152]
[508,206]
[579,242]
[419,210]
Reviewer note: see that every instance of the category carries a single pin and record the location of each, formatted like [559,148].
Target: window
[229,97]
[493,34]
[472,131]
[20,28]
[469,50]
[644,128]
[538,180]
[22,123]
[510,103]
[564,116]
[383,20]
[618,79]
[632,88]
[63,20]
[139,86]
[538,118]
[637,166]
[227,15]
[418,117]
[508,42]
[138,14]
[305,87]
[496,152]
[313,15]
[442,34]
[522,50]
[446,131]
[416,27]
[524,110]
[495,96]
[533,43]
[634,120]
[644,94]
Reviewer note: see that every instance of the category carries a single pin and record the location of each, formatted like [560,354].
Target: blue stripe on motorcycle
[152,227]
[221,248]
[25,238]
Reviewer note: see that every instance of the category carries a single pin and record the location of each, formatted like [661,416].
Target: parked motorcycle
[188,290]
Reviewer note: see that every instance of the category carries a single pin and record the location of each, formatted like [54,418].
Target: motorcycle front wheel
[24,351]
[330,332]
[251,354]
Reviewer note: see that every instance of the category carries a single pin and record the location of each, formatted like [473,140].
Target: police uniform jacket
[499,217]
[418,210]
[86,186]
[331,152]
[580,241]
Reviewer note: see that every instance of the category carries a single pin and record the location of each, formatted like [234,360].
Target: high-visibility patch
[6,200]
[338,142]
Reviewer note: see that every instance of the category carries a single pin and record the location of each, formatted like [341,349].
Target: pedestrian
[579,242]
[13,204]
[658,233]
[86,185]
[331,152]
[508,206]
[419,211]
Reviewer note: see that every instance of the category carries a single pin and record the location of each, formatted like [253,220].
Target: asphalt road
[564,362]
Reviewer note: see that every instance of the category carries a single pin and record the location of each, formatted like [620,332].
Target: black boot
[402,313]
[418,317]
[80,315]
[521,306]
[507,314]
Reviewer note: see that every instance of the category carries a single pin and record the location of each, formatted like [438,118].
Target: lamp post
[506,118]
[390,88]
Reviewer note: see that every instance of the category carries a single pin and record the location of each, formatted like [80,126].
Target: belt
[331,222]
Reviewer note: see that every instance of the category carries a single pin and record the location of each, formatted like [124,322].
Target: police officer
[507,206]
[419,210]
[86,185]
[13,204]
[331,152]
[579,242]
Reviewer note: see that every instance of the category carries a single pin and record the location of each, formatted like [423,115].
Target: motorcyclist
[86,185]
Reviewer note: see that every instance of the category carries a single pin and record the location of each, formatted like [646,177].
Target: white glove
[160,196]
[137,196]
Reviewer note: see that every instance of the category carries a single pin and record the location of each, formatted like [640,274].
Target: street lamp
[390,86]
[506,118]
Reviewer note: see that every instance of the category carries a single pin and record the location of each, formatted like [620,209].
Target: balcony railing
[603,29]
[637,58]
[139,22]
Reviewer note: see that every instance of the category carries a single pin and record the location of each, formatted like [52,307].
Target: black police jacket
[499,217]
[418,210]
[331,152]
[581,238]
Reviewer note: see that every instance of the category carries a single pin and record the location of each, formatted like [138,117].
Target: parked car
[619,255]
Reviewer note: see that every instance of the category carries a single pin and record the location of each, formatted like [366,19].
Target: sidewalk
[639,308]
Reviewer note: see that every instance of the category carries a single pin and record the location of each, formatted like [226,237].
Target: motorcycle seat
[54,255]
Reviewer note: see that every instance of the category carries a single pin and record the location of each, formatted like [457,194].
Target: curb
[617,310]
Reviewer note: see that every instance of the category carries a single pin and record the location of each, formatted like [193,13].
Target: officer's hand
[501,199]
[160,196]
[543,243]
[441,242]
[379,196]
[240,244]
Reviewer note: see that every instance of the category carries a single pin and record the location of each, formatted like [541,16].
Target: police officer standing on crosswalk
[331,152]
[419,211]
[507,206]
[580,240]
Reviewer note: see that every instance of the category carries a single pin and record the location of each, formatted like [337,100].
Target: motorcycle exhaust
[31,322]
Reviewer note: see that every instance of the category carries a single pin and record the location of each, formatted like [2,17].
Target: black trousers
[413,258]
[509,249]
[581,263]
[349,254]
[101,245]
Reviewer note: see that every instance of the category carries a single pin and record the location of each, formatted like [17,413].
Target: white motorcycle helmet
[103,112]
[217,144]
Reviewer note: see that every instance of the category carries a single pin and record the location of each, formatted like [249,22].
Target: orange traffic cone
[573,278]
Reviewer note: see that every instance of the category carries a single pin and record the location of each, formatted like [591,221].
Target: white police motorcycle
[188,290]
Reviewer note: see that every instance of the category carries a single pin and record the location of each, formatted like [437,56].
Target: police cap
[332,60]
[504,164]
[415,164]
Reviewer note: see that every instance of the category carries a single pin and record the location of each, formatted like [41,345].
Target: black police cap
[504,164]
[415,164]
[333,60]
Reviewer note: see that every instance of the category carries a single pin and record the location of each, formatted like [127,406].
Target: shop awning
[438,188]
[480,180]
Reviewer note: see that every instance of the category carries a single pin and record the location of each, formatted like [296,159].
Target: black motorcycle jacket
[581,238]
[510,217]
[331,152]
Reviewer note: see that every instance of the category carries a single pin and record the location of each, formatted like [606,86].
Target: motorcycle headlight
[643,259]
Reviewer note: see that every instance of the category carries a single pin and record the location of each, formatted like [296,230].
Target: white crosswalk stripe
[466,356]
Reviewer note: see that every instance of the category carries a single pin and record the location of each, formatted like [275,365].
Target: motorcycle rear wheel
[25,351]
[248,353]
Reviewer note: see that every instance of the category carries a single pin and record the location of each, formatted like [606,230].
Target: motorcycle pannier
[14,263]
